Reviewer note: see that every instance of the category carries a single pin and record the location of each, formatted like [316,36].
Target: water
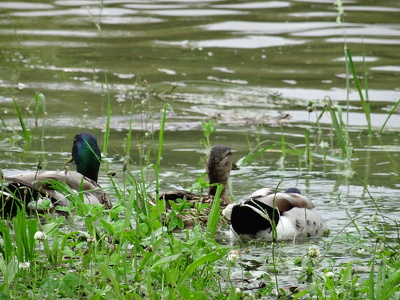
[241,64]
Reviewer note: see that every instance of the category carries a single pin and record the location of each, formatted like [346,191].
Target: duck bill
[70,161]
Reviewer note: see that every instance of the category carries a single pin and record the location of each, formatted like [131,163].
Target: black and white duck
[268,215]
[26,188]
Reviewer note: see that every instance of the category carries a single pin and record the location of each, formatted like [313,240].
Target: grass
[129,252]
[26,134]
[108,117]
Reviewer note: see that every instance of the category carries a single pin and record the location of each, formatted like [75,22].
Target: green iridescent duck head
[86,155]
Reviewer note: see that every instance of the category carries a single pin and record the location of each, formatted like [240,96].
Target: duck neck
[88,167]
[87,156]
[212,190]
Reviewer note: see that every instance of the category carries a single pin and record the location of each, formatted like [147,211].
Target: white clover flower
[40,236]
[329,274]
[233,256]
[25,265]
[323,145]
[313,252]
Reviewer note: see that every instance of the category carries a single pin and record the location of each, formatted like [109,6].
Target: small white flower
[40,236]
[238,290]
[25,265]
[313,252]
[329,274]
[323,145]
[233,256]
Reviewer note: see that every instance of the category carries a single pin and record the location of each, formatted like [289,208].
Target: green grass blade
[253,154]
[365,73]
[165,260]
[371,288]
[25,131]
[161,134]
[283,144]
[209,258]
[215,213]
[2,122]
[6,247]
[107,130]
[40,101]
[338,129]
[106,272]
[308,147]
[390,114]
[160,144]
[364,103]
[128,139]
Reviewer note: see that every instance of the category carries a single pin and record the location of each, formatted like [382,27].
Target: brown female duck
[218,167]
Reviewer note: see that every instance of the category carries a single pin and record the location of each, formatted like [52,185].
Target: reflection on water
[242,65]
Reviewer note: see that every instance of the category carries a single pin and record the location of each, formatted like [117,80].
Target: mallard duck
[36,185]
[218,167]
[292,214]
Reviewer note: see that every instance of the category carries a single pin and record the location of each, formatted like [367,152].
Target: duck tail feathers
[227,212]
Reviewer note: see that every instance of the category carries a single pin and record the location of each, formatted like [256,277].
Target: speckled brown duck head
[218,167]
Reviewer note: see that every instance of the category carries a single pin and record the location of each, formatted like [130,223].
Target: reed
[26,134]
[108,116]
[364,102]
[392,110]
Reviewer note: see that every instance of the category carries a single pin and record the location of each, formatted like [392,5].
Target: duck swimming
[218,167]
[26,188]
[290,213]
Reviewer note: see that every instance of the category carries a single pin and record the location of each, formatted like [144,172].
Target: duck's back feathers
[191,216]
[178,194]
[283,201]
[35,185]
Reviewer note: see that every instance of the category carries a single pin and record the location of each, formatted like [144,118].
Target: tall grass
[392,110]
[124,253]
[160,145]
[108,117]
[26,134]
[364,102]
[131,252]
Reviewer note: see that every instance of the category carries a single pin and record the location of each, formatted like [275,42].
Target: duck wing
[282,201]
[178,194]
